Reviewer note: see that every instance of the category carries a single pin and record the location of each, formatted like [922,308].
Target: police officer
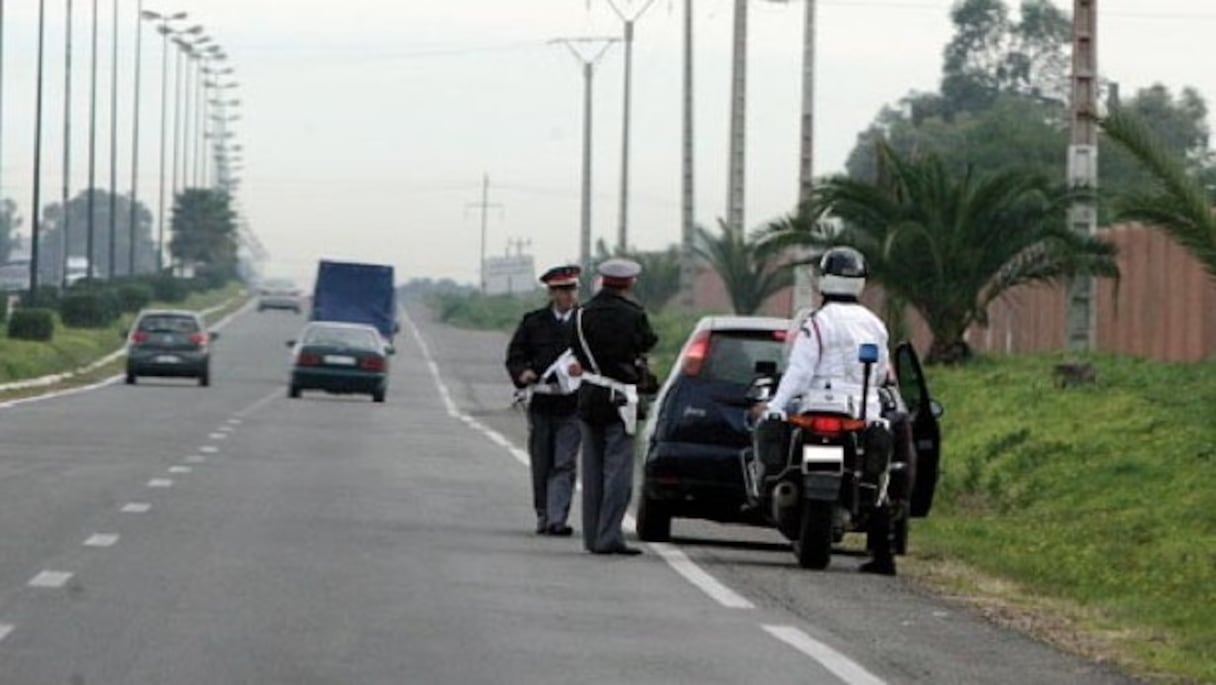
[613,334]
[824,355]
[543,337]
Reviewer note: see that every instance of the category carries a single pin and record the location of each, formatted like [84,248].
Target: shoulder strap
[582,340]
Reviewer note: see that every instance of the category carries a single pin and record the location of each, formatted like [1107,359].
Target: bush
[3,307]
[133,297]
[166,288]
[96,308]
[32,324]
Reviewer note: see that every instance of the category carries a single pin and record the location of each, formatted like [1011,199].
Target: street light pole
[92,219]
[738,122]
[35,228]
[111,266]
[630,21]
[688,268]
[65,233]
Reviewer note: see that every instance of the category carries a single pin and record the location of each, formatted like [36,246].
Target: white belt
[549,389]
[629,411]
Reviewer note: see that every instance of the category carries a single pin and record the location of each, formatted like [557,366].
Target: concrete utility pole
[588,60]
[804,276]
[35,208]
[484,207]
[66,223]
[1083,163]
[630,20]
[738,122]
[688,223]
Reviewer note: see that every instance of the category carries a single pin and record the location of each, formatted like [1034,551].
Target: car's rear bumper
[279,303]
[158,363]
[696,481]
[339,380]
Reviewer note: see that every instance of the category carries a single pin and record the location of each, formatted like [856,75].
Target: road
[166,533]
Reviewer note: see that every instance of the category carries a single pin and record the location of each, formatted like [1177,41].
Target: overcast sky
[368,124]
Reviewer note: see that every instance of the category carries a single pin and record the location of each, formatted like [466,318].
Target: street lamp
[37,222]
[66,221]
[165,21]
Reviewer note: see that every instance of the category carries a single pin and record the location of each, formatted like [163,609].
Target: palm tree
[750,273]
[1178,205]
[660,273]
[949,246]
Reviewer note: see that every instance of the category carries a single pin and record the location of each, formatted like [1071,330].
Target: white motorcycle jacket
[824,357]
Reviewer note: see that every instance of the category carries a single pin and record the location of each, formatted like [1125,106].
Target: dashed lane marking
[218,436]
[209,449]
[678,560]
[50,579]
[136,508]
[160,483]
[180,469]
[101,540]
[234,422]
[6,629]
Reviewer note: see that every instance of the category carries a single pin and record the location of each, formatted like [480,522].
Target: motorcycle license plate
[822,459]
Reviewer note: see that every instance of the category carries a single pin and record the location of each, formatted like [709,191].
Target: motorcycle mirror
[868,353]
[936,409]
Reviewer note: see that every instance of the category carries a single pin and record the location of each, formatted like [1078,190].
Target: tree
[10,221]
[78,207]
[950,244]
[660,280]
[1178,202]
[204,229]
[1179,126]
[750,273]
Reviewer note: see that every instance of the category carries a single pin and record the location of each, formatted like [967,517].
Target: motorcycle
[830,469]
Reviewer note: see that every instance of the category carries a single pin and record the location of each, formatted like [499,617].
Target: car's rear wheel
[130,378]
[654,521]
[293,391]
[378,396]
[204,381]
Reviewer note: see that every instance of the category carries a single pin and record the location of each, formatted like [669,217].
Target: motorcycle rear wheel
[814,544]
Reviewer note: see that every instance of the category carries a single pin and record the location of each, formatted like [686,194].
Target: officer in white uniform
[824,355]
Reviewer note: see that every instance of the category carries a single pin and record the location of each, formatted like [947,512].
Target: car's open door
[926,433]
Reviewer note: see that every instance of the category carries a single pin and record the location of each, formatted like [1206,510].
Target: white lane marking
[676,559]
[101,540]
[234,422]
[840,665]
[6,629]
[180,469]
[50,579]
[218,436]
[209,449]
[136,508]
[270,397]
[160,483]
[196,459]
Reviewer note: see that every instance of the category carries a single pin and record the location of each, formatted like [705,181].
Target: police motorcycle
[830,469]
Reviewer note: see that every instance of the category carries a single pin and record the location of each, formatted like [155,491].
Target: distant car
[693,442]
[340,358]
[169,343]
[280,294]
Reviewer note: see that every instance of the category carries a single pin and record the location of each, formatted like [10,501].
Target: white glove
[775,415]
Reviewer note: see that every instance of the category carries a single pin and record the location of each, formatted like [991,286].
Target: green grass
[73,348]
[484,312]
[1102,495]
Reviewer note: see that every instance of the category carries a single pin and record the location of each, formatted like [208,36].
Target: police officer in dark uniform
[613,334]
[542,338]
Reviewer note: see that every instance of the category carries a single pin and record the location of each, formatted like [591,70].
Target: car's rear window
[168,323]
[733,354]
[342,337]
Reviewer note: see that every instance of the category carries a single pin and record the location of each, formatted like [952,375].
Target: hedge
[96,308]
[32,324]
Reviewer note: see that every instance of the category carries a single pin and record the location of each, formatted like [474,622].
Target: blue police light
[868,353]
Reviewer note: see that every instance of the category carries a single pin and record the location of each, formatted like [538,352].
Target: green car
[341,359]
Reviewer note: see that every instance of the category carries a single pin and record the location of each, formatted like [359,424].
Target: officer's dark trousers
[607,484]
[553,442]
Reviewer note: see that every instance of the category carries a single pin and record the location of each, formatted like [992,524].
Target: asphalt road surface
[167,534]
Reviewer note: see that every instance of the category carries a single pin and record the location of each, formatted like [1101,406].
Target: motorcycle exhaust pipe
[785,495]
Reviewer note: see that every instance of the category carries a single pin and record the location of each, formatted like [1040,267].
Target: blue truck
[350,292]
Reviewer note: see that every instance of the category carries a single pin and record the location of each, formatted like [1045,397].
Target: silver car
[280,294]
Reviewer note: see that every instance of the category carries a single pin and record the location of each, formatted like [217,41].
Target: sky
[368,125]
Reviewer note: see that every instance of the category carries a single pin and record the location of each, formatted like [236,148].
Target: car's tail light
[827,426]
[781,336]
[308,359]
[139,337]
[198,339]
[696,353]
[372,364]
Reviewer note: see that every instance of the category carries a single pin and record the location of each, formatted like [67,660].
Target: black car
[340,358]
[692,466]
[169,343]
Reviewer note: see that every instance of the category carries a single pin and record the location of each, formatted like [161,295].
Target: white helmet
[842,272]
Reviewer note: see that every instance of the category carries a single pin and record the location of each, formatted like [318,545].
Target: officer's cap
[618,272]
[561,276]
